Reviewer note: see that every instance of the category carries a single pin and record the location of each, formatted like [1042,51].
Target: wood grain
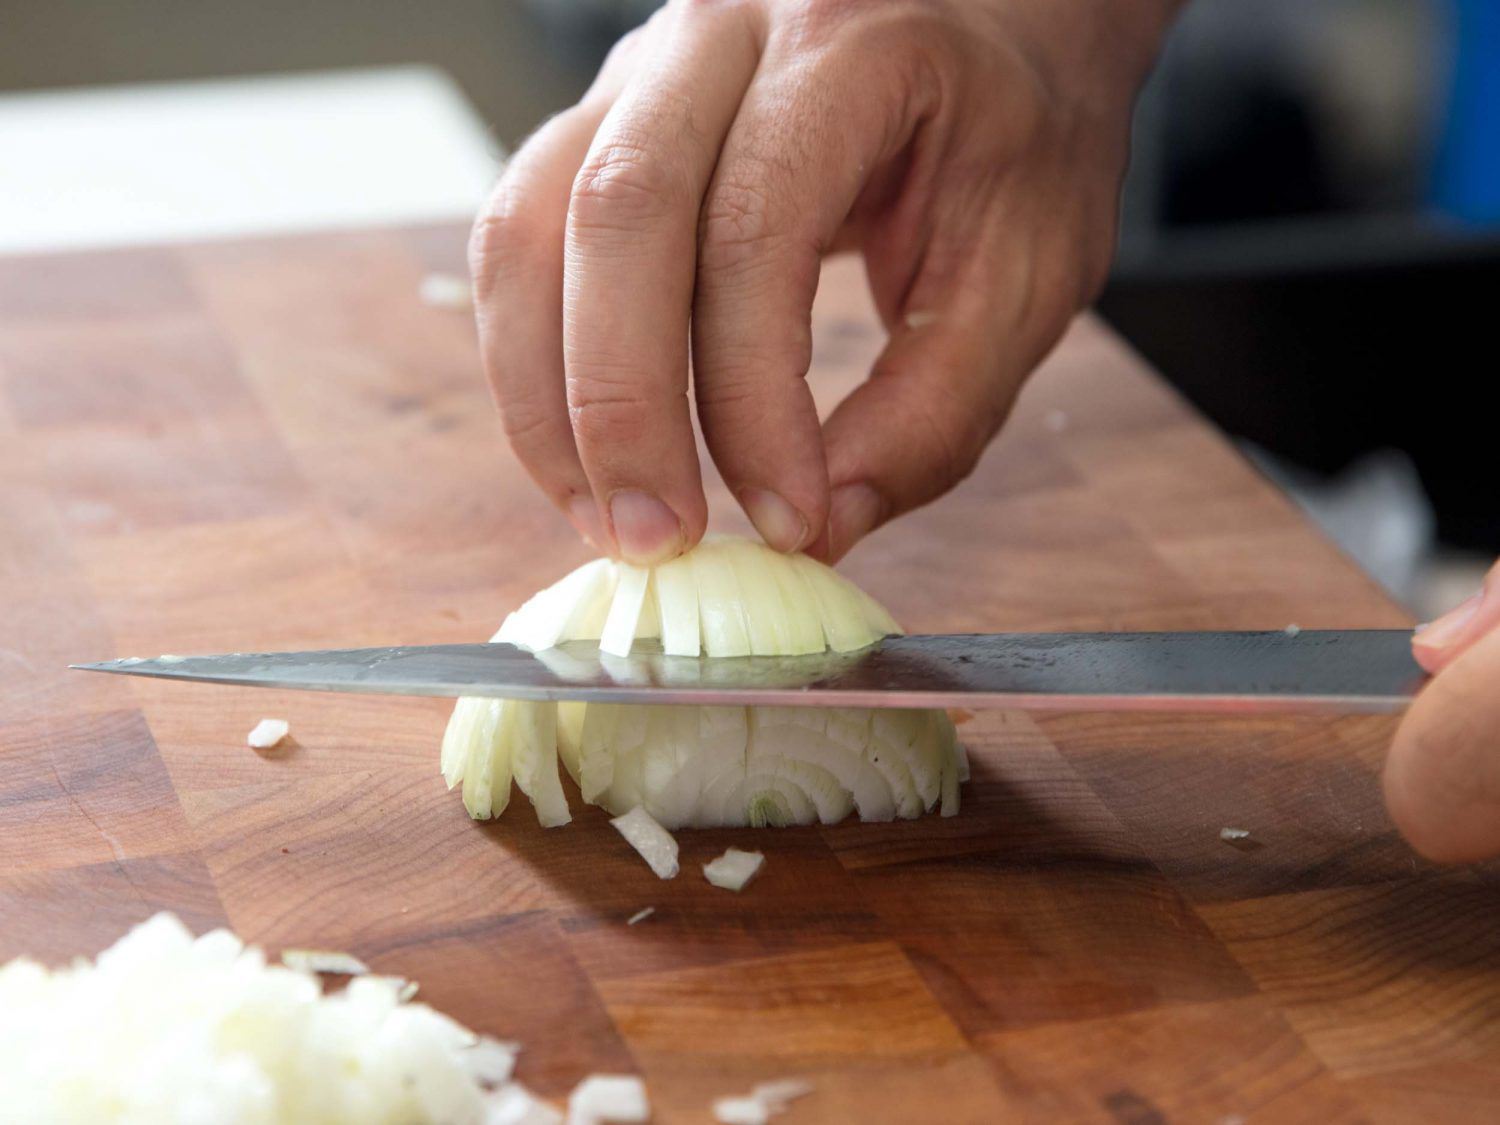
[275,444]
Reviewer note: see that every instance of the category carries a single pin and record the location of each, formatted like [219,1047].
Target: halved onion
[691,767]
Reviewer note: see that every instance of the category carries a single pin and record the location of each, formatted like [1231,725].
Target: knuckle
[608,404]
[644,173]
[604,422]
[526,427]
[737,372]
[623,186]
[739,222]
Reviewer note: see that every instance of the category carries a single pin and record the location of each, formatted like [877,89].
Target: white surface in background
[158,163]
[1375,510]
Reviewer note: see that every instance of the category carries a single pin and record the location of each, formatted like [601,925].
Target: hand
[970,149]
[1442,778]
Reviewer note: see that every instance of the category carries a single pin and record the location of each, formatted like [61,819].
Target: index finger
[628,280]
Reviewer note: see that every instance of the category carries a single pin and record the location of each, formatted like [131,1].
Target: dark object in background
[1323,340]
[1301,251]
[1260,159]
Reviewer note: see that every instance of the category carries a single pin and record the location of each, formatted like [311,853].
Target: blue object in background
[1466,172]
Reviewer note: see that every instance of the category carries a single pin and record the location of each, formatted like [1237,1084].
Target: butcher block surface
[275,444]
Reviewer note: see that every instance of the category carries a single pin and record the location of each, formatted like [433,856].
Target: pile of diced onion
[699,767]
[165,1027]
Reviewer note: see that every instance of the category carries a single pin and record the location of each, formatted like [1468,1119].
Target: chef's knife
[1366,670]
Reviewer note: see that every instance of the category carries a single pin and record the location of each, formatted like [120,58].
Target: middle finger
[628,278]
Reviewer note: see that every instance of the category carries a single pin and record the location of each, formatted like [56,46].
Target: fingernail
[854,510]
[585,516]
[1452,626]
[646,530]
[780,525]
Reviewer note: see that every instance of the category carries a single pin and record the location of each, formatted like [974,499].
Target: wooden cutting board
[276,445]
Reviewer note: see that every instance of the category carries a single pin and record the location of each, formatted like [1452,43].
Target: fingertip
[646,531]
[781,524]
[1430,657]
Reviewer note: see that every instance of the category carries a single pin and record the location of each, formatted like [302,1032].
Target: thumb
[1439,644]
[1442,777]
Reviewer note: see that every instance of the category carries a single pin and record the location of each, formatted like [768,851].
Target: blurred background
[1310,225]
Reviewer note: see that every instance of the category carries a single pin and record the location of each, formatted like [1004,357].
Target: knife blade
[1309,671]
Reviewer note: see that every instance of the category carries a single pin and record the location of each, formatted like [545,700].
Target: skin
[971,151]
[1442,776]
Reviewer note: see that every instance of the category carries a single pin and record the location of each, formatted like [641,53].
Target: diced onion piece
[780,1091]
[640,915]
[446,291]
[741,1111]
[608,1098]
[323,961]
[653,841]
[1230,835]
[625,613]
[516,1105]
[762,1103]
[268,733]
[491,1061]
[734,869]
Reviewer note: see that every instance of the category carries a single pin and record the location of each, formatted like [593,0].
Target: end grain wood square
[55,915]
[324,862]
[84,788]
[183,589]
[1382,977]
[85,290]
[143,371]
[1220,1060]
[1009,944]
[1314,811]
[854,1003]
